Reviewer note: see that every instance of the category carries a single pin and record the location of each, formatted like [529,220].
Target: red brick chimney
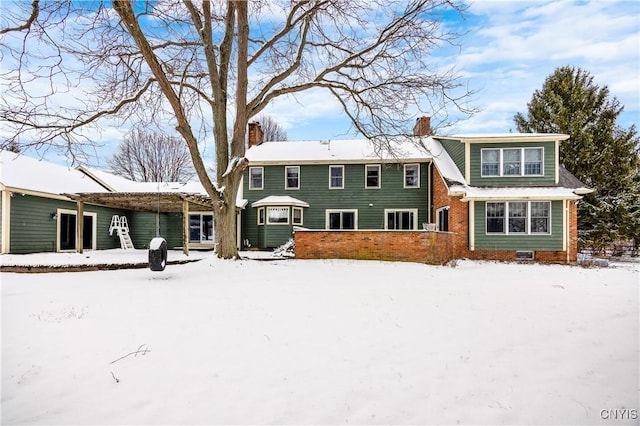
[422,127]
[256,135]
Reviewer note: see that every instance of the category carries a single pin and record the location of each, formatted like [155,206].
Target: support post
[80,225]
[185,227]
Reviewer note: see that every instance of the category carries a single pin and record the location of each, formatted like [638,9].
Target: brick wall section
[421,246]
[407,246]
[458,214]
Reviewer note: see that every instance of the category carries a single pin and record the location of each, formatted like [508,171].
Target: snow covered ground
[322,342]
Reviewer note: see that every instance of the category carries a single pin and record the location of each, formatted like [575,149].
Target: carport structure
[153,202]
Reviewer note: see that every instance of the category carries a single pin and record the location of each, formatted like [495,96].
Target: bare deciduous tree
[272,131]
[152,157]
[210,67]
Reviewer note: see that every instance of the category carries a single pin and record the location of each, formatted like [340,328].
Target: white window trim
[528,218]
[286,179]
[343,177]
[404,176]
[261,178]
[293,215]
[522,162]
[355,218]
[415,219]
[366,166]
[277,207]
[94,230]
[260,210]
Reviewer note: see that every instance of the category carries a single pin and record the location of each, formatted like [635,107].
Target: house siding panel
[484,241]
[549,166]
[34,230]
[314,189]
[455,149]
[142,228]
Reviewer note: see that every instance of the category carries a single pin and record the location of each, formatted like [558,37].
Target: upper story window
[512,162]
[336,177]
[256,177]
[412,175]
[372,176]
[292,177]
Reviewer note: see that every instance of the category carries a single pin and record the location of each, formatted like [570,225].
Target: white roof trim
[279,200]
[515,193]
[506,137]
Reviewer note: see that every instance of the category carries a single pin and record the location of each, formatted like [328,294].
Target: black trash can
[157,254]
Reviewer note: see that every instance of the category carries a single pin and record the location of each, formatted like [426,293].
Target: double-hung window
[336,177]
[372,176]
[511,162]
[256,177]
[296,217]
[341,219]
[518,217]
[292,177]
[412,175]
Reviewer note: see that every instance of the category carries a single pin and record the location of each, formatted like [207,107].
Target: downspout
[567,231]
[430,195]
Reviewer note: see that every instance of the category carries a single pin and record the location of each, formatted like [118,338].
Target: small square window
[412,176]
[256,177]
[336,177]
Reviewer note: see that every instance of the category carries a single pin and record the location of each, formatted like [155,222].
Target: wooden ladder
[120,225]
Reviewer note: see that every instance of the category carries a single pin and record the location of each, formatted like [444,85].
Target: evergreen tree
[599,152]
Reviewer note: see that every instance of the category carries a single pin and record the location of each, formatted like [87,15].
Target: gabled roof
[20,172]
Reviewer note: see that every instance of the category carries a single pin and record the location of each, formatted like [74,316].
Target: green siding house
[40,203]
[508,193]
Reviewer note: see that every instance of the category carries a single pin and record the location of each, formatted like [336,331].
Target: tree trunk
[224,219]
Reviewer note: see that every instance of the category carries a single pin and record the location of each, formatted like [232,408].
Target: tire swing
[158,245]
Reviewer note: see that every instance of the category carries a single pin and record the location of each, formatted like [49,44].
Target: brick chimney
[422,127]
[256,135]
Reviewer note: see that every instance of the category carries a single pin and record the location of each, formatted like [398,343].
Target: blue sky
[510,47]
[508,50]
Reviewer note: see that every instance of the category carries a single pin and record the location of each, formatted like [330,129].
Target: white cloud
[513,46]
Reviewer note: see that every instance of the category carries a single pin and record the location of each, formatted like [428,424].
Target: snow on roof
[120,184]
[279,200]
[515,193]
[338,151]
[447,168]
[22,172]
